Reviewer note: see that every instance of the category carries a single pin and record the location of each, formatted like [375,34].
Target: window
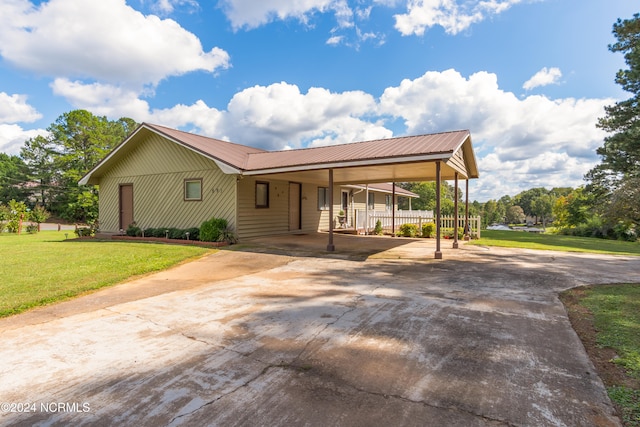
[388,202]
[323,199]
[372,201]
[193,189]
[262,194]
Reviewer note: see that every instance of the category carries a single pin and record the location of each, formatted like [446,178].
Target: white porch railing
[366,221]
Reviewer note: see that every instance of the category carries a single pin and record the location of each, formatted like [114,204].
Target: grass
[616,318]
[556,242]
[39,269]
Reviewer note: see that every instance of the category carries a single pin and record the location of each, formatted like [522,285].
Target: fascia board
[353,163]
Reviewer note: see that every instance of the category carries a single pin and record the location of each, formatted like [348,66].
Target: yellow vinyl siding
[252,221]
[157,169]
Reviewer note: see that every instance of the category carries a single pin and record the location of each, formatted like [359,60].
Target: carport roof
[383,160]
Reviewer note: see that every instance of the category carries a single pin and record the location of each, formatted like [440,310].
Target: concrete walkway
[479,338]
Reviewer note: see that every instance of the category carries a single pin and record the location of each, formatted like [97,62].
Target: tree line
[46,172]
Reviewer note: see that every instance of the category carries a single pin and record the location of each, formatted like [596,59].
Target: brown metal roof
[400,159]
[235,155]
[439,143]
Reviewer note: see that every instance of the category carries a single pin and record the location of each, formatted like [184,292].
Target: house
[162,177]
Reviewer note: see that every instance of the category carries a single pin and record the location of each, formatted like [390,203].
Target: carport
[433,157]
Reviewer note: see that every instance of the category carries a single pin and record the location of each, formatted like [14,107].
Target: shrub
[85,231]
[408,230]
[378,228]
[210,230]
[176,233]
[428,229]
[227,235]
[133,230]
[194,233]
[447,233]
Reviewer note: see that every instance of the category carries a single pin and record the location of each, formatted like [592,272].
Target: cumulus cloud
[527,142]
[451,15]
[14,109]
[103,40]
[13,136]
[268,116]
[520,142]
[544,77]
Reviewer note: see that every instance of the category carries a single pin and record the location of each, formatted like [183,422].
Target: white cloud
[544,77]
[14,109]
[277,114]
[12,137]
[521,143]
[454,17]
[104,40]
[250,14]
[524,142]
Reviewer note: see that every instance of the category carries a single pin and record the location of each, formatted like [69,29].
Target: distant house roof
[393,159]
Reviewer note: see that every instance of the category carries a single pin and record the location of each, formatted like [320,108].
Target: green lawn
[556,242]
[37,269]
[616,317]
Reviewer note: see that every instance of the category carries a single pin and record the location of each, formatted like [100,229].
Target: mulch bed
[171,241]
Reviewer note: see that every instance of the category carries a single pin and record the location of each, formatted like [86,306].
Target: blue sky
[528,78]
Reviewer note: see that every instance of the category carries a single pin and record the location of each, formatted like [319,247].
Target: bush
[194,233]
[378,228]
[133,230]
[85,231]
[210,230]
[428,229]
[448,233]
[408,230]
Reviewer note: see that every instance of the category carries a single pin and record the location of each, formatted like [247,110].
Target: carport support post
[393,209]
[438,253]
[467,232]
[455,208]
[330,246]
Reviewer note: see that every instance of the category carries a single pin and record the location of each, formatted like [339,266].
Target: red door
[126,205]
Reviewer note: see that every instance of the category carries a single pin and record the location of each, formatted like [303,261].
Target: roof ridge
[361,142]
[153,125]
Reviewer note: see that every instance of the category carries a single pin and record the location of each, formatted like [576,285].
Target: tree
[77,141]
[614,182]
[13,177]
[515,215]
[621,151]
[492,212]
[525,199]
[427,193]
[542,206]
[38,154]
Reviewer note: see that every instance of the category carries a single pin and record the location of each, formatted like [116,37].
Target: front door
[295,211]
[126,205]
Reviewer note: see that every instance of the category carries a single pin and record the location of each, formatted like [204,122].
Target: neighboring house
[162,177]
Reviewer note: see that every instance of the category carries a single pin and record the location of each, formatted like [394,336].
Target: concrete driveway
[479,338]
